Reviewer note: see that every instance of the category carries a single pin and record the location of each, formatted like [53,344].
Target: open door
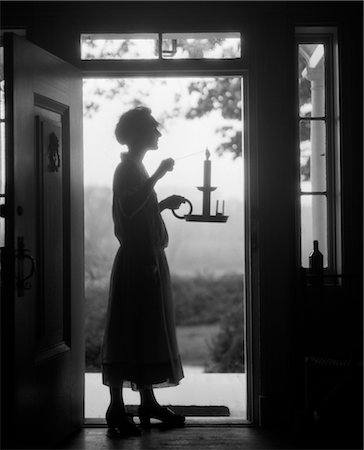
[42,262]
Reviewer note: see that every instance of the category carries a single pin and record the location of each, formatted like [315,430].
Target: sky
[183,137]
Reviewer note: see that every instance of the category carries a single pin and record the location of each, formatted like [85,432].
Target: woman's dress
[139,345]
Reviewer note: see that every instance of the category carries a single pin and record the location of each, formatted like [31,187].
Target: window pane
[313,226]
[313,155]
[2,100]
[2,158]
[201,45]
[119,46]
[2,87]
[311,80]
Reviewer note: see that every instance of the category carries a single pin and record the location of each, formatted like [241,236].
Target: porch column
[316,76]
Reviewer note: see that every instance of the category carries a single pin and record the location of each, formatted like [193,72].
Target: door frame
[216,68]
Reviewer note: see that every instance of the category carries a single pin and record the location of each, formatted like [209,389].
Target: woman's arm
[134,200]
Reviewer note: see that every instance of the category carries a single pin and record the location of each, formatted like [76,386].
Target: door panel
[45,211]
[52,303]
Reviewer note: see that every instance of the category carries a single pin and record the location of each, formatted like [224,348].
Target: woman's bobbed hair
[133,123]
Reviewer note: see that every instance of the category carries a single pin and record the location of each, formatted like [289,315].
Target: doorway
[207,260]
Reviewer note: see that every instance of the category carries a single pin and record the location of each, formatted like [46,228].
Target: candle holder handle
[183,217]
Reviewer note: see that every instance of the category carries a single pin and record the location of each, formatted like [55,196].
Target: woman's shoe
[121,425]
[162,413]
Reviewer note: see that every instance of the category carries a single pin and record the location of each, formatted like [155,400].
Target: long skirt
[139,345]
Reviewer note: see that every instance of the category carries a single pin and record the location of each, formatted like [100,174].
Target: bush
[205,299]
[199,300]
[95,313]
[227,348]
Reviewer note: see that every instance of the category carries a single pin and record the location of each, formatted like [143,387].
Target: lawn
[194,343]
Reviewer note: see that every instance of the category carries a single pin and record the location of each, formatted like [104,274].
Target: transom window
[129,46]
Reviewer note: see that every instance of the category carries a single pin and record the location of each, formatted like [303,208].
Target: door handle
[22,255]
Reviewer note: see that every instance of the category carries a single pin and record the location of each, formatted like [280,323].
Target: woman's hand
[172,202]
[165,166]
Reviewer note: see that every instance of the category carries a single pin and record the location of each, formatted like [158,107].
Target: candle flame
[207,153]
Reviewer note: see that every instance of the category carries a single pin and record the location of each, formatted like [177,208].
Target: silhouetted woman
[140,348]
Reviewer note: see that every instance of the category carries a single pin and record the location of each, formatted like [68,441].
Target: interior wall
[268,28]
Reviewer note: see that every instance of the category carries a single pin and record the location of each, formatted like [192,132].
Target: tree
[222,95]
[110,89]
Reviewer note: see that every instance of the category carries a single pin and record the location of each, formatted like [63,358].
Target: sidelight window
[318,146]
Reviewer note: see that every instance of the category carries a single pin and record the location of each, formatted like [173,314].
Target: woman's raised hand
[165,166]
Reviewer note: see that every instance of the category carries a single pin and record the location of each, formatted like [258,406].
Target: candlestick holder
[206,190]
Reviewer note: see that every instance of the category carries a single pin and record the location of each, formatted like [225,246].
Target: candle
[217,206]
[207,170]
[223,207]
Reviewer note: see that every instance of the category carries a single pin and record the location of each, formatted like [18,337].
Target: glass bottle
[316,260]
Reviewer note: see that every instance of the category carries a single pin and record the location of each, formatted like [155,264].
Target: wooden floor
[196,438]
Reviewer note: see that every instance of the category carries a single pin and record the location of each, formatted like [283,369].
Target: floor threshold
[223,394]
[190,422]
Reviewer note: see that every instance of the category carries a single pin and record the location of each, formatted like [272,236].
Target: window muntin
[151,46]
[317,129]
